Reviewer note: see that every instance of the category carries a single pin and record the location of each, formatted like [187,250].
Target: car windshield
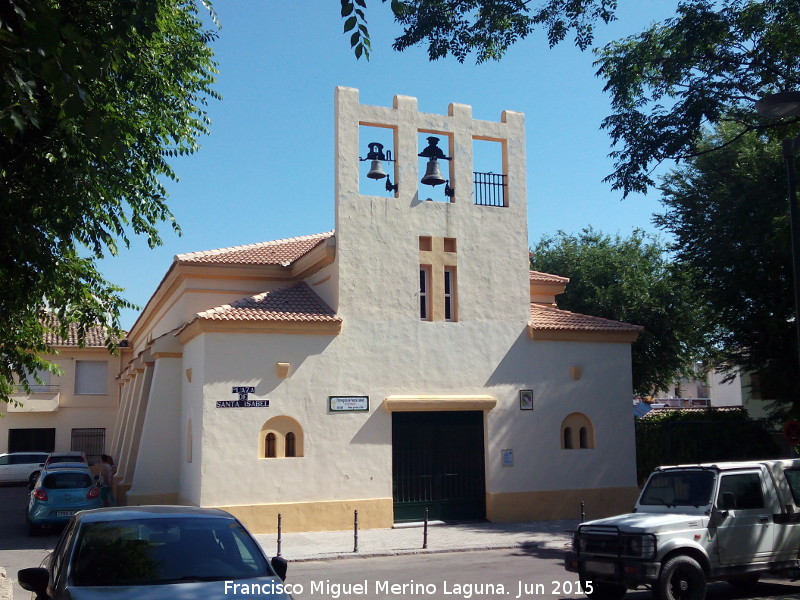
[679,488]
[65,481]
[65,458]
[157,551]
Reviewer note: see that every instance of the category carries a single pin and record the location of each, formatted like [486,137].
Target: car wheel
[601,590]
[682,578]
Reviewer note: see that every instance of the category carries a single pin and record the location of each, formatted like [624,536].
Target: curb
[415,551]
[6,587]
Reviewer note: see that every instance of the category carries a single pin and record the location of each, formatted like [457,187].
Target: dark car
[54,458]
[156,552]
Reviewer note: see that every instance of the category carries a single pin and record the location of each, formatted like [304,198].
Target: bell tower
[402,256]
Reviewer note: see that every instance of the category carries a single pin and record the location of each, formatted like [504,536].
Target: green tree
[95,96]
[708,64]
[727,211]
[630,280]
[485,27]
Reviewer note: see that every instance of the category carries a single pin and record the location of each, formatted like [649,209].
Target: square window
[91,377]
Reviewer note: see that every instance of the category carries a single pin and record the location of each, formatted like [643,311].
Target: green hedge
[683,437]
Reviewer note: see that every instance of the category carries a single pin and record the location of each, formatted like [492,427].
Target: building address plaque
[348,403]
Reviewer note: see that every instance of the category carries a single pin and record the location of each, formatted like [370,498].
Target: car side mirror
[34,580]
[280,566]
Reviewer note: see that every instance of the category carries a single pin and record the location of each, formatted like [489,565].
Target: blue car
[58,494]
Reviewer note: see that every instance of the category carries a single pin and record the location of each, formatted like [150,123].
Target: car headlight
[640,546]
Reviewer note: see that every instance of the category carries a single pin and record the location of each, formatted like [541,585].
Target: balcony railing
[36,389]
[490,189]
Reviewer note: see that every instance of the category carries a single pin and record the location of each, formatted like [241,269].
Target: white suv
[18,467]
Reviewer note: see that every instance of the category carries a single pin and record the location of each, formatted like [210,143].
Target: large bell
[433,175]
[376,170]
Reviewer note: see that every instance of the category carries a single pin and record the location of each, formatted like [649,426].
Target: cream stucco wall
[383,351]
[72,410]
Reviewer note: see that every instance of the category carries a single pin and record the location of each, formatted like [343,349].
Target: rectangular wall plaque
[348,403]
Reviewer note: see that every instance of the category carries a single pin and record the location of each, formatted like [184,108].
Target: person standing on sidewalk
[107,480]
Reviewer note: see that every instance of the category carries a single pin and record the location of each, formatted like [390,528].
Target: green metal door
[437,463]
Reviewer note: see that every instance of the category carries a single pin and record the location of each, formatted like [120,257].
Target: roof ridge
[216,251]
[598,320]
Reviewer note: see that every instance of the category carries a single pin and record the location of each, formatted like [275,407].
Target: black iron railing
[490,189]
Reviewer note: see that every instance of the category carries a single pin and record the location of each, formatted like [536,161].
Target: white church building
[407,360]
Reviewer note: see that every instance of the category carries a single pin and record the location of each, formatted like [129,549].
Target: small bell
[376,170]
[433,175]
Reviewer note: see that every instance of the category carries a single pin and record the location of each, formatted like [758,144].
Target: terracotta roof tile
[277,252]
[94,337]
[548,317]
[294,303]
[540,277]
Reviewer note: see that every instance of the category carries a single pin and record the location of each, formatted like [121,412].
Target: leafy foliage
[95,97]
[727,211]
[709,64]
[630,280]
[486,27]
[689,437]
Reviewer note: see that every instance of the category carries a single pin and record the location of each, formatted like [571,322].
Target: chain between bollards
[355,531]
[280,518]
[425,531]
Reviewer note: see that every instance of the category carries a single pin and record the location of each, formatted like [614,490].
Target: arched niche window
[290,444]
[189,441]
[269,443]
[281,437]
[577,432]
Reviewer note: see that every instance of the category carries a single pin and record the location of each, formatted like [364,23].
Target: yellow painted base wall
[132,499]
[375,513]
[559,504]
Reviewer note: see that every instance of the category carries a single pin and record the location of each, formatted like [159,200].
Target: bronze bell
[376,170]
[433,175]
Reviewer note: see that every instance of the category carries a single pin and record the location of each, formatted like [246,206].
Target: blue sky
[266,170]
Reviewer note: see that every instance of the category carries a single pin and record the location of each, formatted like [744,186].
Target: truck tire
[682,578]
[606,591]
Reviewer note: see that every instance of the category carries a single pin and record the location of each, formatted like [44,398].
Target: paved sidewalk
[327,545]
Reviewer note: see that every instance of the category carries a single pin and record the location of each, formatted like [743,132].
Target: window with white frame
[449,294]
[424,292]
[91,377]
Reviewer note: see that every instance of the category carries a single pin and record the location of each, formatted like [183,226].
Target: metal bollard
[355,531]
[583,511]
[280,518]
[425,531]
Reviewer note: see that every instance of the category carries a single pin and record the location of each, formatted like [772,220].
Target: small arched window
[189,441]
[583,436]
[270,446]
[281,437]
[577,432]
